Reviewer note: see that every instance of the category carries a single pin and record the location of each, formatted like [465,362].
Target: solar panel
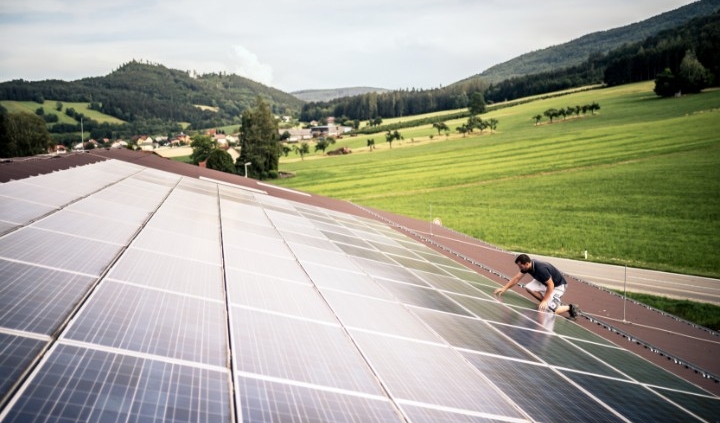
[142,295]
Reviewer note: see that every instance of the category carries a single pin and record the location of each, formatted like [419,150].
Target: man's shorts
[558,292]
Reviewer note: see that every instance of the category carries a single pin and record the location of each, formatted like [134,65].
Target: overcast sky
[293,45]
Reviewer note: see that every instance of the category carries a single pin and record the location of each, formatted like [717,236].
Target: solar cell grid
[38,194]
[16,353]
[275,295]
[383,242]
[387,271]
[77,384]
[184,202]
[235,227]
[284,212]
[365,253]
[305,253]
[446,379]
[243,214]
[274,266]
[376,315]
[89,226]
[557,351]
[542,393]
[472,334]
[448,283]
[168,273]
[322,243]
[510,297]
[273,245]
[345,280]
[6,227]
[633,401]
[636,367]
[190,225]
[270,402]
[154,322]
[111,210]
[422,297]
[492,310]
[299,350]
[416,264]
[20,212]
[337,230]
[347,239]
[180,245]
[35,299]
[300,226]
[418,414]
[58,250]
[706,407]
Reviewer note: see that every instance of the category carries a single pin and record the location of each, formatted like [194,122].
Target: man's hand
[499,291]
[543,305]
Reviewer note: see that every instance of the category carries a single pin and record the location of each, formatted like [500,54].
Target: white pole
[625,294]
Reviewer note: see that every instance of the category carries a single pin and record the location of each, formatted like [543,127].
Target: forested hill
[143,91]
[577,51]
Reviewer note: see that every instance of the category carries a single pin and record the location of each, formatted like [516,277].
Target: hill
[333,93]
[137,92]
[576,51]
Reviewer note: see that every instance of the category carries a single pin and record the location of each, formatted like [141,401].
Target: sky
[296,45]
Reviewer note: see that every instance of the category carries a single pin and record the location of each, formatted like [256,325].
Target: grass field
[49,108]
[635,184]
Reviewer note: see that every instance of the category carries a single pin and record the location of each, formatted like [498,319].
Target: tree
[259,143]
[551,114]
[692,74]
[371,144]
[440,126]
[473,122]
[302,150]
[22,134]
[477,103]
[58,106]
[220,160]
[463,129]
[492,123]
[392,136]
[537,118]
[665,84]
[203,146]
[321,145]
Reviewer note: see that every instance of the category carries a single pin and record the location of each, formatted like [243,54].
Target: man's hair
[522,258]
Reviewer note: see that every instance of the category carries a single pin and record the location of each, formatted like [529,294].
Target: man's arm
[515,279]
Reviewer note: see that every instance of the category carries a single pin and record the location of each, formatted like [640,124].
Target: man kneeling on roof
[547,286]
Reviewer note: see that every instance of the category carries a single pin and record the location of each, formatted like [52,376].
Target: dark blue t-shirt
[542,271]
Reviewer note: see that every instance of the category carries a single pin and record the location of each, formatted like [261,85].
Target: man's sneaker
[574,310]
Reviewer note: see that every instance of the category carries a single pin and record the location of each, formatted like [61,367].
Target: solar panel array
[134,295]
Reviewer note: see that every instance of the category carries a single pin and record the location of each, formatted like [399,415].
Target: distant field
[636,184]
[49,108]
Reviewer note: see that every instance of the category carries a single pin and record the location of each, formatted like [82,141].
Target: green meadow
[637,183]
[49,108]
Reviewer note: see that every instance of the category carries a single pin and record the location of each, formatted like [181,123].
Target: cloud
[245,63]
